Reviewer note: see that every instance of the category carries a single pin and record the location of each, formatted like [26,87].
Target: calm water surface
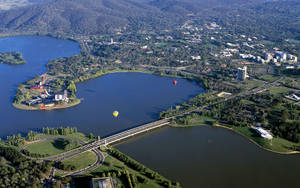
[138,97]
[212,157]
[197,157]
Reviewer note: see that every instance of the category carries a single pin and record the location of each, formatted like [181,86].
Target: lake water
[212,157]
[196,157]
[138,97]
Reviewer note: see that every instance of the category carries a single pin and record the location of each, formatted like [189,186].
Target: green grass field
[278,90]
[48,147]
[54,146]
[269,77]
[82,160]
[253,83]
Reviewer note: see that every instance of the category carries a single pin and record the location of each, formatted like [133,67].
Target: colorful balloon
[115,113]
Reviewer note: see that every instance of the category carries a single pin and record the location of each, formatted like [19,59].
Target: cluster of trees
[18,171]
[11,58]
[132,180]
[18,140]
[15,140]
[32,136]
[34,155]
[292,83]
[19,96]
[66,167]
[59,131]
[72,88]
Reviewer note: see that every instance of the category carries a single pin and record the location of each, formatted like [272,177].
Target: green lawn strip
[82,160]
[278,90]
[269,78]
[253,84]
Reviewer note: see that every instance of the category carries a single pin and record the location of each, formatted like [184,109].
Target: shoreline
[237,132]
[26,107]
[260,146]
[30,108]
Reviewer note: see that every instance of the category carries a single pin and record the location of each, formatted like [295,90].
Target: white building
[61,97]
[263,133]
[281,55]
[292,58]
[242,73]
[196,57]
[268,57]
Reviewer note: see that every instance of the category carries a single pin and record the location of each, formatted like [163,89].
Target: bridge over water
[110,139]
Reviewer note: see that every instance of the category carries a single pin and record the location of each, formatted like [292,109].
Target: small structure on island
[263,133]
[104,182]
[61,97]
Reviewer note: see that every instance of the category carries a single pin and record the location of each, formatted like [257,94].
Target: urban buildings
[242,73]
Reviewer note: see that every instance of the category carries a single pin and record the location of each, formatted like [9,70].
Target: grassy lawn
[82,160]
[278,90]
[253,84]
[269,77]
[48,147]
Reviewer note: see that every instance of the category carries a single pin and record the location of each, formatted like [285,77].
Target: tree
[72,88]
[91,136]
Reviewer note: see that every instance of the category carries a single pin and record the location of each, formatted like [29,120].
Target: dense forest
[18,171]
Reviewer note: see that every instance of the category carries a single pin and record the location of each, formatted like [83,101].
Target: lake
[138,97]
[196,157]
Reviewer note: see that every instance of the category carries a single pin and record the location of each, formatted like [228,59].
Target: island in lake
[12,58]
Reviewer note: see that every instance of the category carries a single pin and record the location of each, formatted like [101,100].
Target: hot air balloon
[174,82]
[115,113]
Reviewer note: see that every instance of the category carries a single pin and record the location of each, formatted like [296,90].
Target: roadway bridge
[110,139]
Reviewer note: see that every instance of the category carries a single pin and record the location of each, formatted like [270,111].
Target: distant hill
[76,16]
[102,16]
[10,4]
